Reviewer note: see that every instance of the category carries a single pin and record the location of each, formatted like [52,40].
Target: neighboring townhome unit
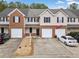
[44,23]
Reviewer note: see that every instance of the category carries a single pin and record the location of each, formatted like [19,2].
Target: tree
[3,5]
[73,6]
[12,5]
[23,6]
[38,6]
[17,5]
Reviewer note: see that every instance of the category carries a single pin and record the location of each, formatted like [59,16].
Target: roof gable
[62,12]
[14,11]
[46,11]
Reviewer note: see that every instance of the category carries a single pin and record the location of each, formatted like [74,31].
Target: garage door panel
[47,33]
[16,33]
[59,32]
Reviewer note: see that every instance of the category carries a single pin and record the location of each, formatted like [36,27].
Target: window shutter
[13,18]
[68,19]
[62,19]
[49,19]
[19,19]
[38,19]
[57,19]
[6,19]
[74,20]
[28,19]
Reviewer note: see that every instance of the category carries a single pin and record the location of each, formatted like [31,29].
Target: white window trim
[16,19]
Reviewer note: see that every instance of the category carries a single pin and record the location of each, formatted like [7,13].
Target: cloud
[59,2]
[58,7]
[72,1]
[61,7]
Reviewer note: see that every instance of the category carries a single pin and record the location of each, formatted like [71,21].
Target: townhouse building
[45,23]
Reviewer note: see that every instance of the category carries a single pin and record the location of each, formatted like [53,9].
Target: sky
[52,4]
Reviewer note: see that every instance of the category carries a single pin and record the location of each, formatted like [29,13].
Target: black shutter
[62,19]
[38,19]
[13,18]
[57,19]
[68,19]
[74,20]
[19,19]
[28,19]
[49,19]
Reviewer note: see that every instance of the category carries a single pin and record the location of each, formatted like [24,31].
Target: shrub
[73,34]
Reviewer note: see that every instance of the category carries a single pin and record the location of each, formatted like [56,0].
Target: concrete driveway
[73,50]
[50,48]
[7,49]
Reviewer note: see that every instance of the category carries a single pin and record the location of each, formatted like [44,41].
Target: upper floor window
[36,19]
[60,20]
[3,19]
[16,19]
[46,19]
[6,19]
[71,19]
[32,19]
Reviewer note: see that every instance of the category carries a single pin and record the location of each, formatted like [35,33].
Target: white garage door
[16,33]
[59,32]
[47,33]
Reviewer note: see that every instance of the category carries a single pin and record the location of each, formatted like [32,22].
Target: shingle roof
[68,12]
[5,12]
[36,12]
[54,10]
[76,12]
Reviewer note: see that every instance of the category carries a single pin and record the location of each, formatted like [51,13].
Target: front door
[37,32]
[2,30]
[30,30]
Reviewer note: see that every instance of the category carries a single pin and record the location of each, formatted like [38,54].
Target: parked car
[4,37]
[68,40]
[1,39]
